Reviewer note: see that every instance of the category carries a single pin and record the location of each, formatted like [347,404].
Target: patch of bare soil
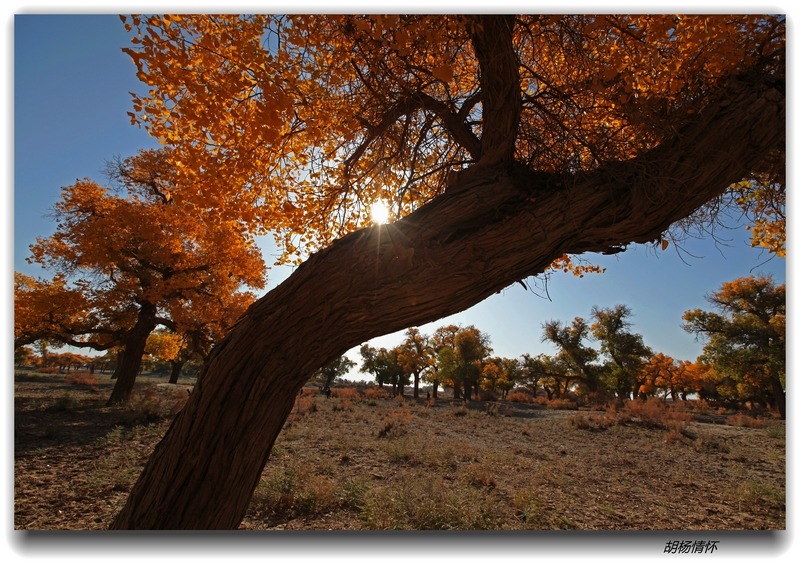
[370,463]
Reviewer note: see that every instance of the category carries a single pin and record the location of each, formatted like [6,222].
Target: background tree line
[743,359]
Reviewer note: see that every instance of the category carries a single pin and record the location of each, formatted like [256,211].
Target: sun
[379,212]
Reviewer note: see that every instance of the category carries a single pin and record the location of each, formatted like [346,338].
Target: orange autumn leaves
[115,253]
[299,123]
[665,376]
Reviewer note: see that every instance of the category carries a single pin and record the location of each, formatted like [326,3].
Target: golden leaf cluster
[297,124]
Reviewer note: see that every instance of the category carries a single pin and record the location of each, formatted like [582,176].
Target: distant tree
[532,370]
[574,353]
[445,371]
[24,357]
[691,378]
[500,375]
[746,338]
[626,351]
[166,347]
[443,337]
[471,349]
[664,376]
[334,370]
[415,355]
[376,361]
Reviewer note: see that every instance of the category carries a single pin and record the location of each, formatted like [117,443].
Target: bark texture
[501,223]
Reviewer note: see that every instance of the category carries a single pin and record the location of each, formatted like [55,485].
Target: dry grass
[386,464]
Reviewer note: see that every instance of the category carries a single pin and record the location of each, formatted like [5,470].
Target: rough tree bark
[497,225]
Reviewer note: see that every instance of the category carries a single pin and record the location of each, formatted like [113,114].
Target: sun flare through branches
[379,212]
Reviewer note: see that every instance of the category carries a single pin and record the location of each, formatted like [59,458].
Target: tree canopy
[300,123]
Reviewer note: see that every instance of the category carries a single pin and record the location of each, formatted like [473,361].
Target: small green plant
[352,492]
[400,451]
[316,495]
[775,431]
[277,490]
[752,493]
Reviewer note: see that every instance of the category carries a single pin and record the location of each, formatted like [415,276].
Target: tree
[24,357]
[471,349]
[500,375]
[380,362]
[333,370]
[160,268]
[203,321]
[675,378]
[500,144]
[415,355]
[746,340]
[439,371]
[626,350]
[167,347]
[573,353]
[532,370]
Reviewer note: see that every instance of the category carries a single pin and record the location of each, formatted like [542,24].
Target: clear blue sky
[71,84]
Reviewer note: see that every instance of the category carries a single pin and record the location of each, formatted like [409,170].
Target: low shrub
[346,393]
[304,404]
[83,378]
[561,404]
[376,393]
[396,422]
[154,405]
[518,396]
[48,369]
[430,504]
[655,413]
[460,410]
[593,421]
[744,420]
[652,413]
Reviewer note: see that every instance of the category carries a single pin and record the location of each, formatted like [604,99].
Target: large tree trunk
[131,359]
[493,228]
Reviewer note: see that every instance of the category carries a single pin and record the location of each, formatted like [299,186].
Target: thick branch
[452,122]
[500,87]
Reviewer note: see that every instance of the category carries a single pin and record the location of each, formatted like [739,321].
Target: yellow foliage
[296,124]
